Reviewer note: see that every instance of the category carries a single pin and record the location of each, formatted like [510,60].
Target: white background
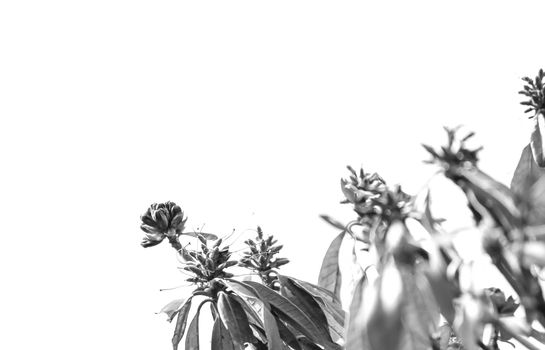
[244,113]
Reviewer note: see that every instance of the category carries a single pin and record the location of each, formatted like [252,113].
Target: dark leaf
[235,320]
[290,311]
[305,302]
[221,340]
[287,336]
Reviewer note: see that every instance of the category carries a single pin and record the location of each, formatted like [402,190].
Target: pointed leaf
[235,320]
[192,337]
[537,141]
[290,311]
[330,274]
[305,302]
[221,340]
[181,323]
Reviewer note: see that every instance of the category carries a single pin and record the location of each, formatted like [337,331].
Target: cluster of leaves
[207,263]
[261,258]
[420,271]
[278,313]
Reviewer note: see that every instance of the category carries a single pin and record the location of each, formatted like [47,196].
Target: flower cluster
[361,189]
[262,259]
[535,91]
[207,263]
[161,221]
[455,153]
[166,220]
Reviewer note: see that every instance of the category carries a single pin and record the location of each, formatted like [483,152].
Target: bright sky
[242,112]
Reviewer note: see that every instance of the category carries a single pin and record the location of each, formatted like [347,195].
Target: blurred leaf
[171,309]
[221,340]
[536,142]
[483,191]
[384,323]
[235,320]
[181,323]
[356,335]
[533,253]
[528,184]
[469,321]
[333,222]
[330,276]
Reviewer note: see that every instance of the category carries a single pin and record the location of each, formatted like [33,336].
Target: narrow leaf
[181,323]
[537,141]
[221,340]
[235,320]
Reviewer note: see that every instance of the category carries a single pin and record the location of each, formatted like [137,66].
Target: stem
[175,243]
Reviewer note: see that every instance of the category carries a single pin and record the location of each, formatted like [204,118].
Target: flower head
[535,91]
[160,221]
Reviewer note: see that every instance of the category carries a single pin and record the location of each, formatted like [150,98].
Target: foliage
[279,313]
[423,294]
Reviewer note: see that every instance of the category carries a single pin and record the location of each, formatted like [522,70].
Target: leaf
[287,336]
[192,337]
[171,309]
[331,307]
[330,274]
[290,311]
[181,323]
[274,341]
[207,236]
[356,338]
[221,340]
[235,320]
[496,198]
[528,184]
[536,142]
[383,324]
[305,302]
[333,222]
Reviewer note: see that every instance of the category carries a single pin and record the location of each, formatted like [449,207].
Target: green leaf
[181,323]
[330,274]
[235,320]
[221,340]
[290,312]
